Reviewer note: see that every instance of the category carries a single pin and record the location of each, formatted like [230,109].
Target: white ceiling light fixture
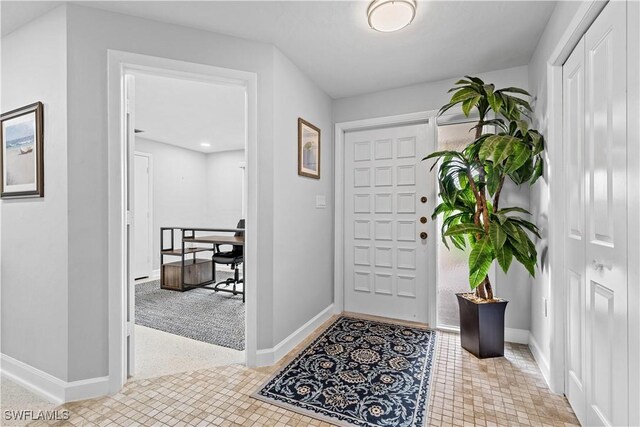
[205,144]
[391,15]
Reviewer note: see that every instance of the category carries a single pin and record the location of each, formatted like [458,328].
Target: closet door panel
[606,202]
[573,75]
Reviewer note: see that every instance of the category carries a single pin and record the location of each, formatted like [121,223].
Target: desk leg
[213,267]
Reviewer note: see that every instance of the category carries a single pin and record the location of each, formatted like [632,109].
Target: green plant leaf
[537,170]
[504,255]
[458,229]
[515,90]
[495,101]
[526,262]
[519,155]
[464,94]
[498,235]
[468,104]
[480,260]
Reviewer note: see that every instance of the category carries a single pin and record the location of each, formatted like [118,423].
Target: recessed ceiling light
[205,144]
[391,15]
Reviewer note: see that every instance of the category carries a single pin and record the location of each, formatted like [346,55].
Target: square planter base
[482,327]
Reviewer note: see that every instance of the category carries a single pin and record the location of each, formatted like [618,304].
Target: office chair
[234,258]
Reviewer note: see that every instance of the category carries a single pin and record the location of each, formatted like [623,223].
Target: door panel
[573,140]
[387,267]
[606,197]
[141,221]
[130,166]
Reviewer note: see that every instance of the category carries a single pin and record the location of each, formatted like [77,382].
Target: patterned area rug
[200,314]
[359,373]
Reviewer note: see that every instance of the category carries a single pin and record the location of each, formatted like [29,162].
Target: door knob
[600,265]
[424,235]
[423,220]
[423,199]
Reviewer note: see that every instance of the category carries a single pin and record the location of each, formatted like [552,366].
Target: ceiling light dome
[391,15]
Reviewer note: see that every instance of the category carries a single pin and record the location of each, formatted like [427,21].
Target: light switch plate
[321,202]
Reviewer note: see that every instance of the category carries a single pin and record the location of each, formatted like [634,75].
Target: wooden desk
[186,274]
[217,240]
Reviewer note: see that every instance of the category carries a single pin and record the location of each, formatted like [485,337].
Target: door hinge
[129,328]
[127,106]
[129,217]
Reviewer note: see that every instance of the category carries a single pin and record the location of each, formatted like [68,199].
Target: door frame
[423,117]
[150,194]
[119,63]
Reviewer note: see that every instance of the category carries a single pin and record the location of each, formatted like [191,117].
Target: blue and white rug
[359,373]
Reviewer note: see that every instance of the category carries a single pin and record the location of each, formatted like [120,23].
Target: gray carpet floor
[200,314]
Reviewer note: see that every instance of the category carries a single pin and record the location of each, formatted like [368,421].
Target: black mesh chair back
[238,249]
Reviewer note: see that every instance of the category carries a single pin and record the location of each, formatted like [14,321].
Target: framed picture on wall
[22,157]
[308,149]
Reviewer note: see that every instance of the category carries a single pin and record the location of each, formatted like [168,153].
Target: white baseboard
[518,336]
[541,360]
[49,387]
[271,356]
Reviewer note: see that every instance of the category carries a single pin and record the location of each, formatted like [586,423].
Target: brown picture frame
[22,157]
[309,149]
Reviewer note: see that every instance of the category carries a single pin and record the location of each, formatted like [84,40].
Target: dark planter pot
[482,327]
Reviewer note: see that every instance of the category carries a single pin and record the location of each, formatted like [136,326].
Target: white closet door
[573,148]
[606,207]
[388,265]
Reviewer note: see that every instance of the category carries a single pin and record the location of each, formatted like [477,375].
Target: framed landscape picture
[22,157]
[308,149]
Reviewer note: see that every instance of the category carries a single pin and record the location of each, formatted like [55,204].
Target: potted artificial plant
[470,183]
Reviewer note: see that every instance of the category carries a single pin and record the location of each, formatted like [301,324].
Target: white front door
[389,266]
[595,149]
[142,218]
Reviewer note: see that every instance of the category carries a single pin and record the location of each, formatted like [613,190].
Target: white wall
[515,286]
[224,188]
[303,261]
[35,259]
[180,189]
[192,189]
[540,291]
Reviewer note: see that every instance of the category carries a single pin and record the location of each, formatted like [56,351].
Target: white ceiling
[331,42]
[187,113]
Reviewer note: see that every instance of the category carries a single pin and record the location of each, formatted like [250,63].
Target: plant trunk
[484,290]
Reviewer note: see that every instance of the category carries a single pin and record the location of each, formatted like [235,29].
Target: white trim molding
[541,360]
[49,387]
[271,356]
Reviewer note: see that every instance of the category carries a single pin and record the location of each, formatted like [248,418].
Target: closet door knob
[424,235]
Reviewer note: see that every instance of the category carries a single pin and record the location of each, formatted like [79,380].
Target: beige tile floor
[507,391]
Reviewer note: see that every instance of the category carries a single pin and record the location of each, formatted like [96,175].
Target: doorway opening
[183,237]
[187,186]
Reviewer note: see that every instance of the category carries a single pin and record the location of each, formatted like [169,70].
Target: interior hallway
[507,391]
